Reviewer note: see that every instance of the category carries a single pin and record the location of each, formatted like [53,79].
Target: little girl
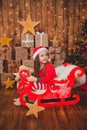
[44,71]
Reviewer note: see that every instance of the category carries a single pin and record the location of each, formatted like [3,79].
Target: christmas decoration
[34,109]
[78,55]
[9,83]
[55,41]
[5,41]
[27,40]
[41,39]
[29,25]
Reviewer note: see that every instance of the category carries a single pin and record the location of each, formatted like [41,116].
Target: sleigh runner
[54,93]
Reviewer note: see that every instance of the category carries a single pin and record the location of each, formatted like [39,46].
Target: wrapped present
[27,40]
[56,43]
[58,50]
[52,56]
[58,62]
[1,66]
[51,50]
[41,39]
[1,70]
[31,52]
[21,53]
[5,76]
[57,56]
[28,63]
[63,55]
[13,66]
[1,63]
[5,53]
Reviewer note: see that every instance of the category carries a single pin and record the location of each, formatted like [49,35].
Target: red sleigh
[55,93]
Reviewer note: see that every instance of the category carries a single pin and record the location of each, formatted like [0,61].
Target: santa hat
[37,50]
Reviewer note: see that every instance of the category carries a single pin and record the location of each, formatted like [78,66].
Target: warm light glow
[26,4]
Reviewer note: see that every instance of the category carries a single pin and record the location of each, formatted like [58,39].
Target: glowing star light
[5,41]
[34,109]
[9,83]
[29,25]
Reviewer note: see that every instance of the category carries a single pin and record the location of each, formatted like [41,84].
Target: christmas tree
[78,55]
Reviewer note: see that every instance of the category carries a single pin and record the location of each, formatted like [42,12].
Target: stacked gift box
[1,66]
[21,53]
[41,39]
[13,65]
[27,40]
[56,54]
[4,77]
[28,63]
[5,53]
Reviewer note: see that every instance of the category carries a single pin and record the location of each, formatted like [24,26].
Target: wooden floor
[53,118]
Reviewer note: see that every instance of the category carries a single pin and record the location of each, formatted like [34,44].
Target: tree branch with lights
[78,55]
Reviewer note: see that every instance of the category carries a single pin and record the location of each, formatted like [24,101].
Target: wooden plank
[17,16]
[44,23]
[5,17]
[60,20]
[82,14]
[38,14]
[1,20]
[71,23]
[65,25]
[76,20]
[49,18]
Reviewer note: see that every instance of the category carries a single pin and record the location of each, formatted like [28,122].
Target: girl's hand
[32,79]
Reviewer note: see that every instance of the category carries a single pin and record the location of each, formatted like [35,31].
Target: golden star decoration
[5,41]
[34,109]
[29,25]
[9,83]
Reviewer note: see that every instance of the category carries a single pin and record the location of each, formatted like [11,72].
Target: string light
[26,4]
[11,4]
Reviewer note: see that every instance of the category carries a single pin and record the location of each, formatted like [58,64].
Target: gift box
[58,62]
[1,66]
[51,50]
[13,66]
[52,56]
[28,63]
[57,56]
[5,53]
[31,52]
[5,76]
[27,40]
[63,55]
[41,39]
[58,50]
[21,53]
[56,43]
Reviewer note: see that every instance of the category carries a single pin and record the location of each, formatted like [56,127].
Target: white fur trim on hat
[38,51]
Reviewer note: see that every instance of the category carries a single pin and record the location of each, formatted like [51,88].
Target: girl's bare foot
[16,99]
[17,103]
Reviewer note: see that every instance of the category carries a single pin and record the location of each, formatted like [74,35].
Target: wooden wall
[61,18]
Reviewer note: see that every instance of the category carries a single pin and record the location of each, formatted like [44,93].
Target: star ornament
[9,83]
[34,109]
[5,41]
[29,25]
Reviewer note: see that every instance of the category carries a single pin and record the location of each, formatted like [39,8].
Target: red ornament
[82,48]
[86,46]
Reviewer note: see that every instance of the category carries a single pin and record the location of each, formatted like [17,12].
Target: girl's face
[43,57]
